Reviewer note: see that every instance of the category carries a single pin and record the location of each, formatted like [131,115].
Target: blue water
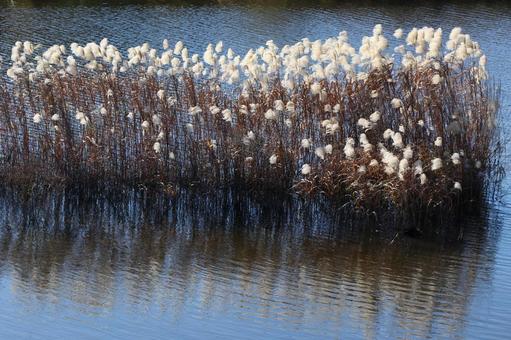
[194,273]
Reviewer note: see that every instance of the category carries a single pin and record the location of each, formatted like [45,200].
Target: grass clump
[410,131]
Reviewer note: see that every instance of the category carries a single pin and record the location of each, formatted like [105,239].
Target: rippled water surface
[70,267]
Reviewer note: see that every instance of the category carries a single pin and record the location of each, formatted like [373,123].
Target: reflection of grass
[414,138]
[84,250]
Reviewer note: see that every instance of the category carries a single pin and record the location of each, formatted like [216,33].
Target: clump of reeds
[413,130]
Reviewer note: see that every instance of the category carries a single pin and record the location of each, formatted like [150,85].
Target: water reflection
[194,260]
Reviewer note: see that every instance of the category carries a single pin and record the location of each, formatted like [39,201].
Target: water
[70,267]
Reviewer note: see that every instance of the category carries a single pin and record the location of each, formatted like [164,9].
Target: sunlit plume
[438,141]
[270,114]
[306,169]
[227,115]
[375,116]
[397,140]
[328,149]
[273,159]
[305,143]
[403,168]
[396,103]
[455,158]
[436,164]
[365,144]
[349,150]
[320,152]
[37,118]
[157,147]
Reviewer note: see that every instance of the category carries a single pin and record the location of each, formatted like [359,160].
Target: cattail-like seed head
[37,118]
[157,147]
[270,114]
[273,159]
[423,179]
[396,103]
[320,152]
[328,149]
[438,141]
[305,143]
[306,169]
[436,164]
[375,116]
[455,158]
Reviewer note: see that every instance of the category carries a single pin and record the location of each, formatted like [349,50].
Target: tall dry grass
[415,137]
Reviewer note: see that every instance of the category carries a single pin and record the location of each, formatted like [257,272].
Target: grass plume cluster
[411,130]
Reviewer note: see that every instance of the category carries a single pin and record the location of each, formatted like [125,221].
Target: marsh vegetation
[409,130]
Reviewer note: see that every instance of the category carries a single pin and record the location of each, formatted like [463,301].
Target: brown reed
[174,148]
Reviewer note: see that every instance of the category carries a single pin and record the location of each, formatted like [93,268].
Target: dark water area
[154,268]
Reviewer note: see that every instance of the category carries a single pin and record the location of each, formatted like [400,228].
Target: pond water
[71,267]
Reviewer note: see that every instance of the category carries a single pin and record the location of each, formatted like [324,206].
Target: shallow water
[70,267]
